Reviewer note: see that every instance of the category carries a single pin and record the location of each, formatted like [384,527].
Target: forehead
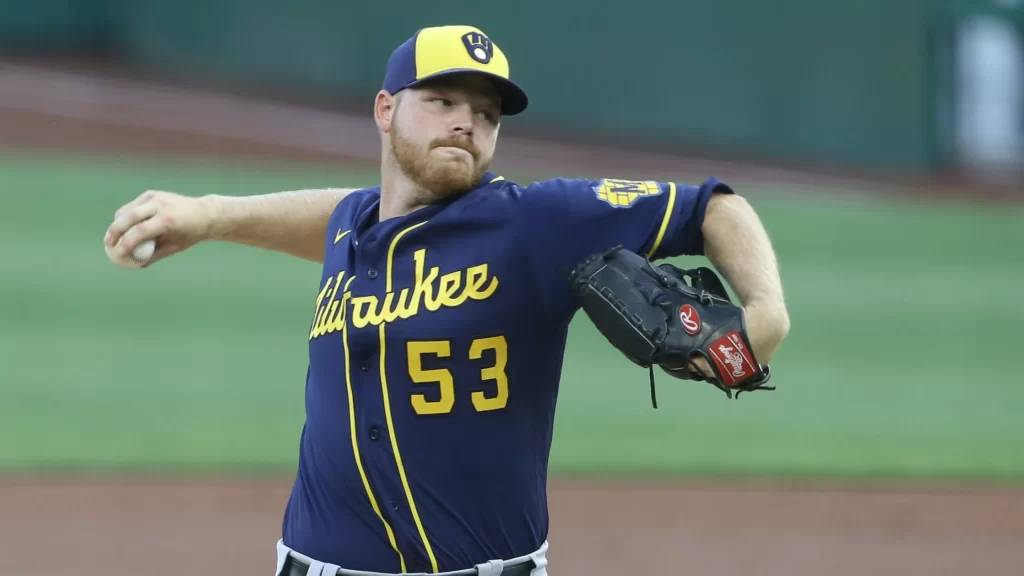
[468,84]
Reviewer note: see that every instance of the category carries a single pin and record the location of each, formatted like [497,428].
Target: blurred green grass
[901,360]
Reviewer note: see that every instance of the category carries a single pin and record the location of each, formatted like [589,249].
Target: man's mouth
[455,147]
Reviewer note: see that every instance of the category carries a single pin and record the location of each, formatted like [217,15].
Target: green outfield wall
[852,84]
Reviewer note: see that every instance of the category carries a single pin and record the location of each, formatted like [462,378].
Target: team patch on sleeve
[623,193]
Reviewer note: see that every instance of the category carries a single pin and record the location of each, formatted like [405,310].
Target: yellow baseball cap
[444,50]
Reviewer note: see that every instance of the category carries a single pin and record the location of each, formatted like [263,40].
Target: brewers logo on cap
[479,46]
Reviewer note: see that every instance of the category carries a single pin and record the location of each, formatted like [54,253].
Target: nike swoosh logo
[340,235]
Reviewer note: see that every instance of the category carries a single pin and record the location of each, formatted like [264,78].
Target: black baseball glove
[656,318]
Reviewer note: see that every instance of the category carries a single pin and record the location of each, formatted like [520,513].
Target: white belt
[490,568]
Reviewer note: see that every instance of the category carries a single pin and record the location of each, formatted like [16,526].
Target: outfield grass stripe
[902,358]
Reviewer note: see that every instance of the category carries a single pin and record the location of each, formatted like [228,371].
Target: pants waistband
[292,563]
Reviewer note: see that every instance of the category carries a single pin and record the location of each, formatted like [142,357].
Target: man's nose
[462,120]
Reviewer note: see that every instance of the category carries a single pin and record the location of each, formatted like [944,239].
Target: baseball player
[438,325]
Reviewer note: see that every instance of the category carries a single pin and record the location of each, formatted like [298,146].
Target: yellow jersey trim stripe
[355,445]
[339,235]
[398,455]
[391,251]
[387,409]
[497,178]
[665,220]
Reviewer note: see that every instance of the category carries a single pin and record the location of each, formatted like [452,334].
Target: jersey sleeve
[571,219]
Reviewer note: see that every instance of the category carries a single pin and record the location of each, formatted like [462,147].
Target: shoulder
[354,203]
[503,191]
[359,197]
[505,200]
[574,193]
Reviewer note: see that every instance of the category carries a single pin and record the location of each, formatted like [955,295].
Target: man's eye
[442,102]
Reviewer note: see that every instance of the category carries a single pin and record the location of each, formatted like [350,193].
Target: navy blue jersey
[435,351]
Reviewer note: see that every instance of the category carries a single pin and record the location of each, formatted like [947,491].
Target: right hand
[175,221]
[686,373]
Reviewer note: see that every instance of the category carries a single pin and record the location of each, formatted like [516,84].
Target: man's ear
[384,106]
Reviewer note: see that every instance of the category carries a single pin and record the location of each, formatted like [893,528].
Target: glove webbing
[695,369]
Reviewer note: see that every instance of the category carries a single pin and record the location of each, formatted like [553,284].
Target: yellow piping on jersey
[391,251]
[665,220]
[355,445]
[387,409]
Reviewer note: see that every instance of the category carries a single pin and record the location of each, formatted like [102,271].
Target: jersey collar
[368,212]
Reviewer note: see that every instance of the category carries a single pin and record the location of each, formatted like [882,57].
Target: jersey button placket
[375,439]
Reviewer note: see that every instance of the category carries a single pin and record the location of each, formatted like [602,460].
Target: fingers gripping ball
[138,258]
[671,318]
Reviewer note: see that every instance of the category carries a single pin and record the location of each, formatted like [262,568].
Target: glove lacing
[654,398]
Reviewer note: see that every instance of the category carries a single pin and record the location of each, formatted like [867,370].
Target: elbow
[768,325]
[780,327]
[774,330]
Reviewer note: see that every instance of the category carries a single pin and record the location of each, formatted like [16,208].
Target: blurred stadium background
[149,421]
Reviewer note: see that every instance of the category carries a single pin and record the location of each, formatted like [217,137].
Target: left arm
[737,245]
[577,218]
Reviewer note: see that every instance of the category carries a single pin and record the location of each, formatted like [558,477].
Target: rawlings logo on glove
[690,319]
[731,351]
[656,318]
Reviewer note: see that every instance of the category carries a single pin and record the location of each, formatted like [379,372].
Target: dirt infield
[93,526]
[171,527]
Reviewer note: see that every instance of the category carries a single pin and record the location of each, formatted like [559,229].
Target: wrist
[767,325]
[214,224]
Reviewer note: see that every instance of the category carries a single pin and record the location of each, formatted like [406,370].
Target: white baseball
[139,256]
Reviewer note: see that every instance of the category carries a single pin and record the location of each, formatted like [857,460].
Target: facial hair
[438,179]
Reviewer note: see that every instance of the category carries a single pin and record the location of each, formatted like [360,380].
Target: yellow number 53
[442,377]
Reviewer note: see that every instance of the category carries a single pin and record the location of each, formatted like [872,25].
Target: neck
[398,194]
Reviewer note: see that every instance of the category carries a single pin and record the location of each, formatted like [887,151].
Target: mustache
[466,145]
